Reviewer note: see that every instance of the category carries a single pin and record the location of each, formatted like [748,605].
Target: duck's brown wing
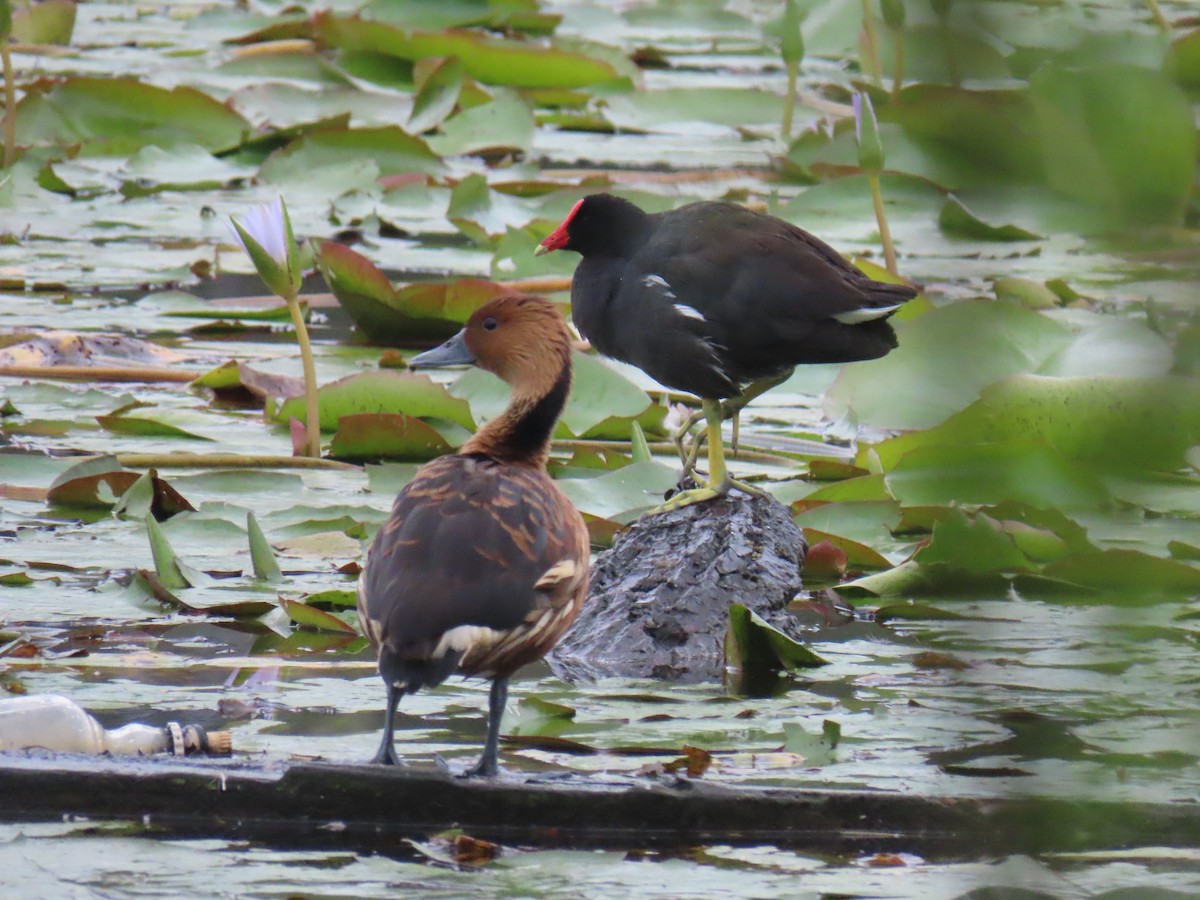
[474,555]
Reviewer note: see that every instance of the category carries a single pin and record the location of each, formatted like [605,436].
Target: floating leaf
[145,427]
[488,59]
[166,565]
[47,22]
[381,392]
[310,617]
[376,436]
[119,115]
[957,220]
[437,95]
[1121,423]
[504,125]
[415,315]
[392,150]
[261,555]
[752,643]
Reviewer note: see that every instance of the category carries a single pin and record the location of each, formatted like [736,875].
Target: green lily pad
[113,116]
[142,426]
[380,392]
[504,125]
[376,436]
[437,95]
[955,219]
[48,22]
[390,148]
[1118,423]
[414,315]
[488,59]
[752,643]
[1121,138]
[262,557]
[310,617]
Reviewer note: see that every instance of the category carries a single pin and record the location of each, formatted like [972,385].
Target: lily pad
[414,315]
[752,643]
[380,392]
[310,617]
[113,116]
[488,59]
[377,436]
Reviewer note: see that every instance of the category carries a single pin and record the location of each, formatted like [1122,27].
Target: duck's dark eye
[490,323]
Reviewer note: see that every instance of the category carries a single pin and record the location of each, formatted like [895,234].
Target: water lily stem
[789,102]
[10,106]
[1158,15]
[885,233]
[312,410]
[872,60]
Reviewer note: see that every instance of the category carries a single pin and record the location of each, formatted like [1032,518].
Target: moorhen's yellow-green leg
[729,410]
[719,482]
[732,407]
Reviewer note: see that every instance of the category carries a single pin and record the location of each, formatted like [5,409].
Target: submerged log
[659,600]
[372,808]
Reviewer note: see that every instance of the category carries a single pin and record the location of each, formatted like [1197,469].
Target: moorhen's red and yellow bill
[719,301]
[483,564]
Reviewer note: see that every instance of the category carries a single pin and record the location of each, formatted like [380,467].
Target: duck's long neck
[521,434]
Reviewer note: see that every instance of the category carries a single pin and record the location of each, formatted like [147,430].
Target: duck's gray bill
[452,353]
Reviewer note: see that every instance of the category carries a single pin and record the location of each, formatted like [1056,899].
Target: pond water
[1012,691]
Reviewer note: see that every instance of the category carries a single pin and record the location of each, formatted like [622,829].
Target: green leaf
[1112,422]
[969,471]
[437,95]
[417,314]
[1025,291]
[144,427]
[136,501]
[870,148]
[955,219]
[1125,571]
[310,617]
[637,438]
[262,556]
[47,22]
[114,116]
[376,436]
[503,126]
[485,58]
[678,109]
[752,643]
[622,493]
[166,565]
[1120,138]
[1183,59]
[390,148]
[381,392]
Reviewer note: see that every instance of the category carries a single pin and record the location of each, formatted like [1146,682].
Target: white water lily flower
[265,233]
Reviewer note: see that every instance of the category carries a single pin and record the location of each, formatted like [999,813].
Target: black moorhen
[719,301]
[483,563]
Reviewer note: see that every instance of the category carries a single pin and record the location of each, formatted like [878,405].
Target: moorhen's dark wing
[473,543]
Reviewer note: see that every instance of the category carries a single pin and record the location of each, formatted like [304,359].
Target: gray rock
[659,600]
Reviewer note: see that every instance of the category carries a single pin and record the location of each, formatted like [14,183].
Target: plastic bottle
[52,722]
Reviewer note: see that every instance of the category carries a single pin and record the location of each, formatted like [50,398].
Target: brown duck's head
[519,337]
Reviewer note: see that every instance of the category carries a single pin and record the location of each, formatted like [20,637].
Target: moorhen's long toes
[483,564]
[718,300]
